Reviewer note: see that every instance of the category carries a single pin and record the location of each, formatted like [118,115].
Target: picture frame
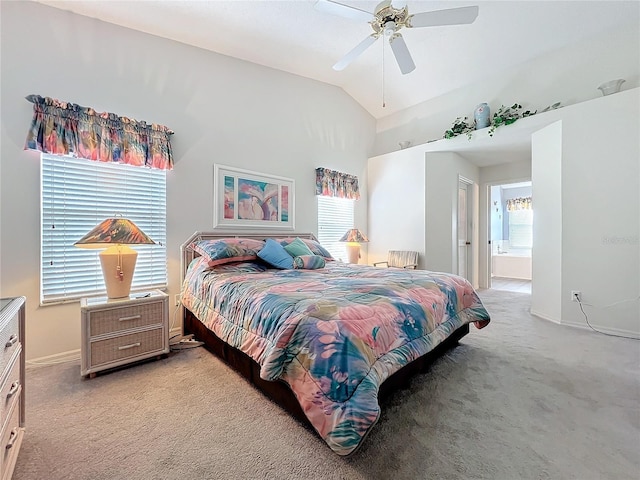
[251,200]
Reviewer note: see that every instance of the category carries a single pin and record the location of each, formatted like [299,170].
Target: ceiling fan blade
[346,11]
[450,16]
[355,53]
[401,52]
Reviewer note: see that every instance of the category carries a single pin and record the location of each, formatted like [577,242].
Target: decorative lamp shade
[118,260]
[114,230]
[354,235]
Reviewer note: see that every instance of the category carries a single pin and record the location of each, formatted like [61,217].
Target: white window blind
[78,194]
[521,228]
[335,217]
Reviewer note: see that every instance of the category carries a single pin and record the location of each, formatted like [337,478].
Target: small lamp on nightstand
[118,260]
[354,238]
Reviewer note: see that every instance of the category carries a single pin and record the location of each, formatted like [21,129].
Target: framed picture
[252,200]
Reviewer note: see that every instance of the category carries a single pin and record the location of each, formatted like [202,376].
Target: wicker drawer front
[10,440]
[9,342]
[126,346]
[11,387]
[124,318]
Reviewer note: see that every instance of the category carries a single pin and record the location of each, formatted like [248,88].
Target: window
[521,228]
[335,217]
[78,194]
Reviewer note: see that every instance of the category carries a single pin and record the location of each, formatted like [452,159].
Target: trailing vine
[507,116]
[460,126]
[504,116]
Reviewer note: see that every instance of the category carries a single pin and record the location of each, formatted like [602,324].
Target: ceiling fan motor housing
[389,20]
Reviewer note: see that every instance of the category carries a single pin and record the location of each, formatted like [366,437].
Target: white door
[464,230]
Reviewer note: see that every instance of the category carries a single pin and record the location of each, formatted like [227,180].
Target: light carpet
[521,399]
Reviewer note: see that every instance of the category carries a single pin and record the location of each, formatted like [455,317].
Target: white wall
[569,75]
[546,183]
[441,209]
[601,212]
[223,110]
[396,204]
[413,202]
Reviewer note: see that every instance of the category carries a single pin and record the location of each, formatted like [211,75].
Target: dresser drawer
[127,346]
[9,341]
[11,387]
[10,440]
[124,318]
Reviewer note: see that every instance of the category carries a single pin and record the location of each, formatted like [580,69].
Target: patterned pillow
[275,255]
[297,248]
[309,262]
[241,267]
[314,246]
[227,250]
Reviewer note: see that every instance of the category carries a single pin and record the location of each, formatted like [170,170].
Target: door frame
[486,251]
[473,214]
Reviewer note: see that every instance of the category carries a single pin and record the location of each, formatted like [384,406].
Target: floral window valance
[331,183]
[521,203]
[64,128]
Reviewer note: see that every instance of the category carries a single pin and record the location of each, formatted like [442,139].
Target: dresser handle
[12,438]
[13,339]
[133,345]
[15,386]
[126,319]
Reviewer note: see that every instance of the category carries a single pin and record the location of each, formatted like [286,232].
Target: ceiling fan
[389,18]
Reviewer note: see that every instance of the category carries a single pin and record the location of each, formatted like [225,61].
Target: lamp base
[353,252]
[118,263]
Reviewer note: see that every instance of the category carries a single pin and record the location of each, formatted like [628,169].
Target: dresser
[120,331]
[12,314]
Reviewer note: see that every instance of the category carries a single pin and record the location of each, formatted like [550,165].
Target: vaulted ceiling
[293,36]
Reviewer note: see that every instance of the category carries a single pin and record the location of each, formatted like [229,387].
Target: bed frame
[279,391]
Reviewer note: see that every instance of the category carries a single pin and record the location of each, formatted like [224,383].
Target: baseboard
[605,330]
[545,317]
[70,356]
[584,326]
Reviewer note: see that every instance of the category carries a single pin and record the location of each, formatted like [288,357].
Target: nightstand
[119,331]
[12,317]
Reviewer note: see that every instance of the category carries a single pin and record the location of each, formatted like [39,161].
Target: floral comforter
[333,334]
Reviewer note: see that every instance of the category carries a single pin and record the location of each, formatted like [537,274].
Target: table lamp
[118,260]
[353,237]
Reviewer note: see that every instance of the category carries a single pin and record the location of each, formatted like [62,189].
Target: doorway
[510,236]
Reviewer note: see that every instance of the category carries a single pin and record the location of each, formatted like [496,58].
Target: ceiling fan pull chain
[384,104]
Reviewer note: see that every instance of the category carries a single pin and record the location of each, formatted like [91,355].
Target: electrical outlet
[177,299]
[576,296]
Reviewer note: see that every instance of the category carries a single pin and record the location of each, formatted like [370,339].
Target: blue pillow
[275,255]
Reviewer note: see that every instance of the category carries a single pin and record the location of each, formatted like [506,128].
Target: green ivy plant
[460,126]
[507,116]
[504,116]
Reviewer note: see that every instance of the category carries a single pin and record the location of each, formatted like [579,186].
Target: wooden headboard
[187,254]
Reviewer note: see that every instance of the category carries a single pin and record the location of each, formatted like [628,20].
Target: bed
[325,340]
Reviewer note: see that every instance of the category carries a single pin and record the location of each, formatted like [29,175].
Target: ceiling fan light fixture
[389,29]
